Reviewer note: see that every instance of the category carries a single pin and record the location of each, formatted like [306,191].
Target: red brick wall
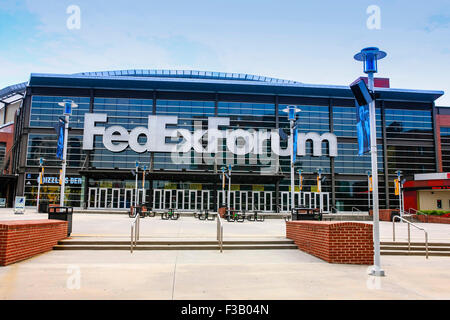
[22,239]
[384,214]
[431,219]
[334,242]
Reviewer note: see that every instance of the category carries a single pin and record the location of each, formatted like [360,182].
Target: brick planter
[385,214]
[22,239]
[431,219]
[334,242]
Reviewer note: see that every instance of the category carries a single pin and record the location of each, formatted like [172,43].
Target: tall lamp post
[300,185]
[229,187]
[136,186]
[400,195]
[369,189]
[292,111]
[143,184]
[370,56]
[68,106]
[41,176]
[319,186]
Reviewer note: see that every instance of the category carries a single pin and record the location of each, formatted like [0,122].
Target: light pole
[300,185]
[229,187]
[291,111]
[369,189]
[400,196]
[223,187]
[319,187]
[136,187]
[143,184]
[41,176]
[370,56]
[68,105]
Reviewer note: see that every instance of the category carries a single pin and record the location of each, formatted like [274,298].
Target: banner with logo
[363,129]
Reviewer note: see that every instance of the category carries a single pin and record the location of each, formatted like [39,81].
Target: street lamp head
[370,56]
[291,111]
[41,161]
[68,105]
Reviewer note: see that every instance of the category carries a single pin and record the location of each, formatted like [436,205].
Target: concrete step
[430,244]
[178,247]
[414,248]
[71,242]
[414,253]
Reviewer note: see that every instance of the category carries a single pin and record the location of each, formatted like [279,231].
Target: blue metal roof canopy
[210,84]
[186,74]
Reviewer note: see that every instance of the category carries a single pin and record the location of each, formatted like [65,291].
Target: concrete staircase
[417,249]
[73,244]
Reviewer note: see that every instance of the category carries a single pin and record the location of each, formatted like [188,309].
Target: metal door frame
[117,206]
[192,207]
[202,205]
[268,193]
[178,192]
[95,197]
[100,198]
[131,192]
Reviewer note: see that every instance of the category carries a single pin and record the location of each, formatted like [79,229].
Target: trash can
[62,213]
[43,206]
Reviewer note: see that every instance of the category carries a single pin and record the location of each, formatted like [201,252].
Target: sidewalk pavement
[204,274]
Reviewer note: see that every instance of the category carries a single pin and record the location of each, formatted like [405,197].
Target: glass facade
[2,152]
[409,147]
[445,148]
[45,111]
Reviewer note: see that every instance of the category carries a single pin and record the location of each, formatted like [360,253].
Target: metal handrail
[135,226]
[409,232]
[219,232]
[356,209]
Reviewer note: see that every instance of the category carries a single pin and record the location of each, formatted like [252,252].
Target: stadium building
[146,115]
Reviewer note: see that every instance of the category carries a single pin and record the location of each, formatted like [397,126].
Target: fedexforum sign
[163,136]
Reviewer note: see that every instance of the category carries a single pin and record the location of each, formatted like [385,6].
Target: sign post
[229,187]
[370,56]
[136,186]
[291,111]
[19,205]
[300,185]
[369,189]
[68,105]
[143,184]
[41,176]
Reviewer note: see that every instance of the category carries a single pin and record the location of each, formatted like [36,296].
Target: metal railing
[409,232]
[219,232]
[135,225]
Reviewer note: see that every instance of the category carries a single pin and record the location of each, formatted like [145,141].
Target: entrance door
[193,200]
[102,199]
[92,200]
[167,199]
[157,201]
[115,201]
[267,201]
[128,200]
[180,200]
[256,196]
[205,199]
[244,201]
[285,203]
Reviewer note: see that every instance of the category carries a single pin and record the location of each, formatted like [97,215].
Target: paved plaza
[209,274]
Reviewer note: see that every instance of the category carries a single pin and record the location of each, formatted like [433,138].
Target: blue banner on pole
[294,156]
[363,129]
[60,134]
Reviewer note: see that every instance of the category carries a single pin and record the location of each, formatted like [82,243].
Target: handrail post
[393,229]
[409,237]
[131,242]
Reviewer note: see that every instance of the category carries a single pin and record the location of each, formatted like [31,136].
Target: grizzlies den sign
[162,136]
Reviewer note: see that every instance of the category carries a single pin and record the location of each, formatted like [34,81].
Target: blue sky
[307,41]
